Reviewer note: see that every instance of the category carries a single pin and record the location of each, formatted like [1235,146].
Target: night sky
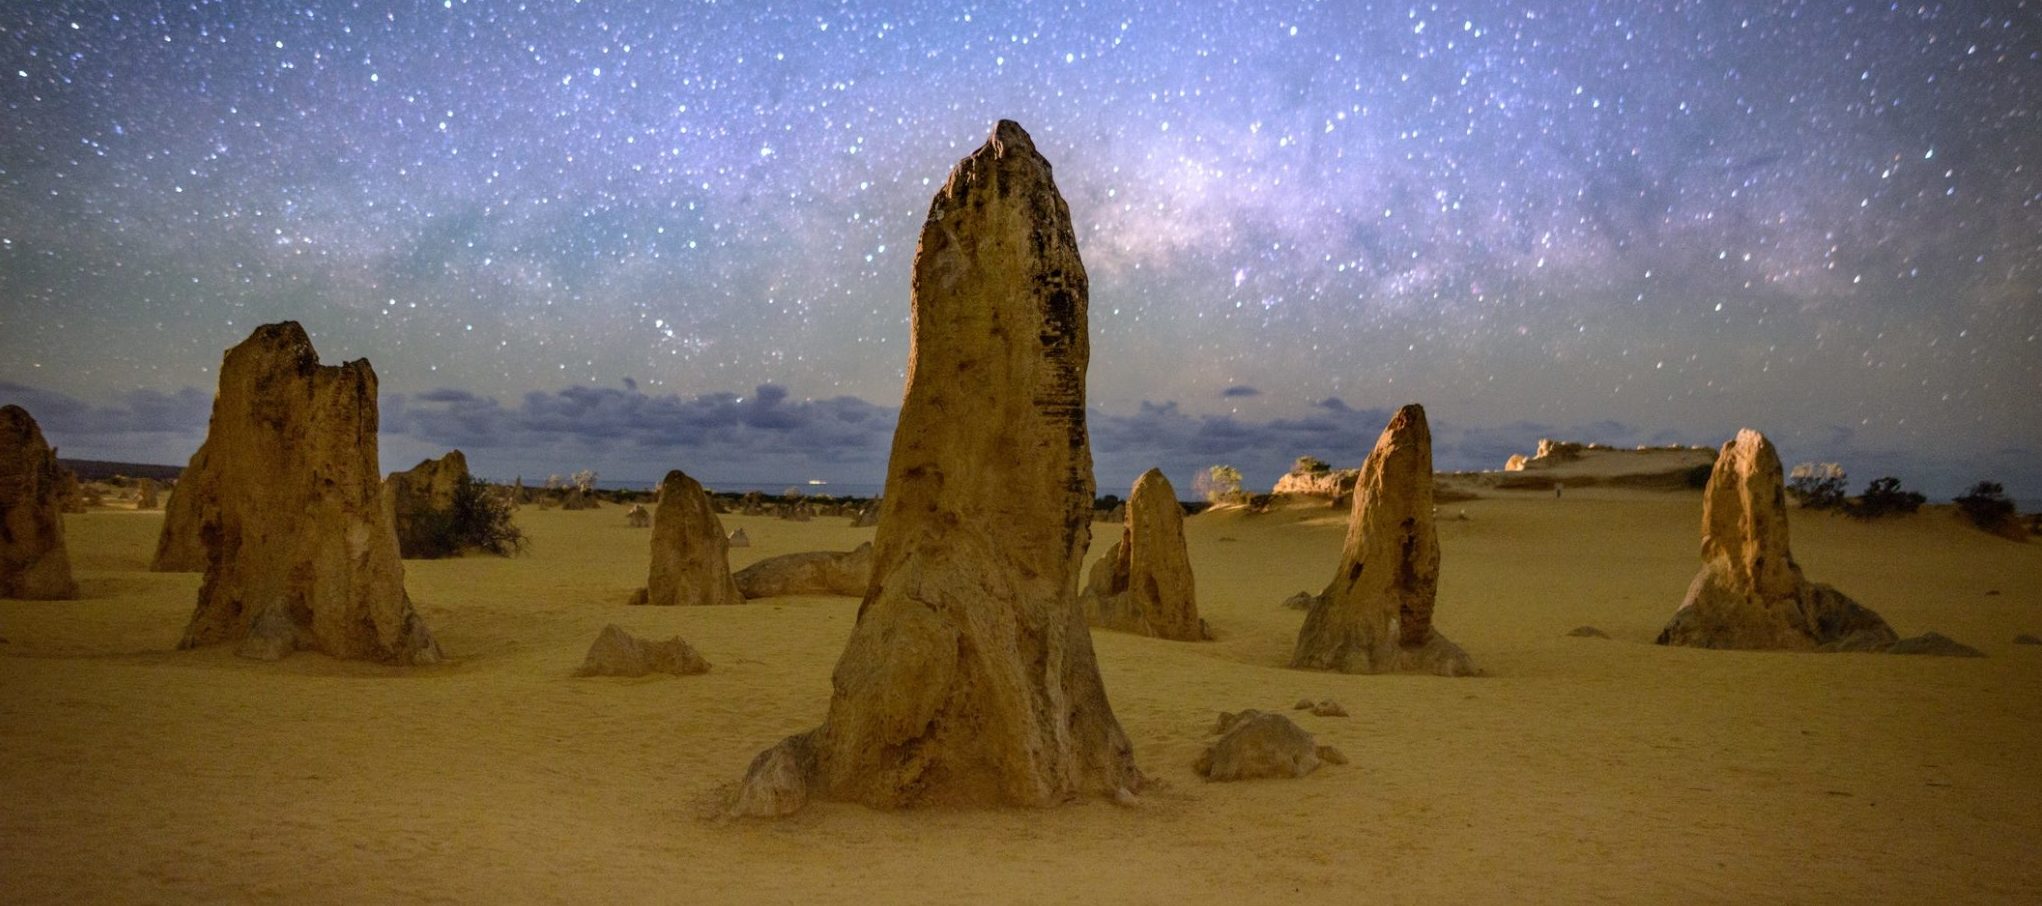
[678,235]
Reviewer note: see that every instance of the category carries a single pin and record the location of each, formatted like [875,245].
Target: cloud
[1239,390]
[139,425]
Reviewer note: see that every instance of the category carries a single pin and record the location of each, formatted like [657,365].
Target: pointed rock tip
[1009,134]
[1411,417]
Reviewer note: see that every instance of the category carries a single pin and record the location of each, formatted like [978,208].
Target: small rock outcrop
[690,555]
[1255,744]
[866,517]
[34,563]
[739,539]
[1587,632]
[422,500]
[1144,584]
[619,653]
[638,516]
[1750,593]
[1376,614]
[846,573]
[145,494]
[194,502]
[1329,484]
[969,677]
[300,553]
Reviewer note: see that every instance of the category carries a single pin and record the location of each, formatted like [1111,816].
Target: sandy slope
[1579,770]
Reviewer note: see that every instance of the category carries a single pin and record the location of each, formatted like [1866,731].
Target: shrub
[476,520]
[1219,484]
[1987,506]
[1817,485]
[1883,498]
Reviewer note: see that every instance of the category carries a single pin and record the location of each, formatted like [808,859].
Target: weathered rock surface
[422,499]
[638,516]
[619,653]
[194,502]
[1376,614]
[1144,583]
[740,539]
[1750,593]
[145,494]
[969,678]
[846,573]
[1255,744]
[301,550]
[34,563]
[690,555]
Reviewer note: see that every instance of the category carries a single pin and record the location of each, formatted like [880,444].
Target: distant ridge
[101,470]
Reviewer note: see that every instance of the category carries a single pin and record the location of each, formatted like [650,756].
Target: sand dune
[1578,770]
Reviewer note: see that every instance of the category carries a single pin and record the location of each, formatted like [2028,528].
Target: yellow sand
[1579,770]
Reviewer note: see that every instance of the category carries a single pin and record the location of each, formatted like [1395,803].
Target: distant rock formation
[637,516]
[740,539]
[194,502]
[1144,584]
[1327,484]
[145,494]
[867,517]
[690,555]
[1376,614]
[969,677]
[423,502]
[1589,465]
[846,573]
[619,653]
[1255,744]
[301,553]
[33,561]
[1750,593]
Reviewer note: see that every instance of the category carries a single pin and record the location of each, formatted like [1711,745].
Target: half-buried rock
[690,555]
[1376,614]
[1750,593]
[1143,584]
[619,653]
[300,553]
[34,563]
[969,678]
[847,573]
[1255,744]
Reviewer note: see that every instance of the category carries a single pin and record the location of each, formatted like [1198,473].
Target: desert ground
[1576,770]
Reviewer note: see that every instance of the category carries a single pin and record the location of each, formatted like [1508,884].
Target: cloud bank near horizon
[770,438]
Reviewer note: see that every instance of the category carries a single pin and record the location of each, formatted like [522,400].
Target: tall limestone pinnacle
[1750,593]
[969,678]
[34,562]
[1376,614]
[301,552]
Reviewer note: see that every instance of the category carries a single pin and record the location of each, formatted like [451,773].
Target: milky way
[1630,222]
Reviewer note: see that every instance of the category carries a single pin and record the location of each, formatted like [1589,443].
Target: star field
[1650,221]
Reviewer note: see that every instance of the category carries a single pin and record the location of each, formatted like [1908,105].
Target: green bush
[1883,498]
[1310,465]
[477,520]
[1987,506]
